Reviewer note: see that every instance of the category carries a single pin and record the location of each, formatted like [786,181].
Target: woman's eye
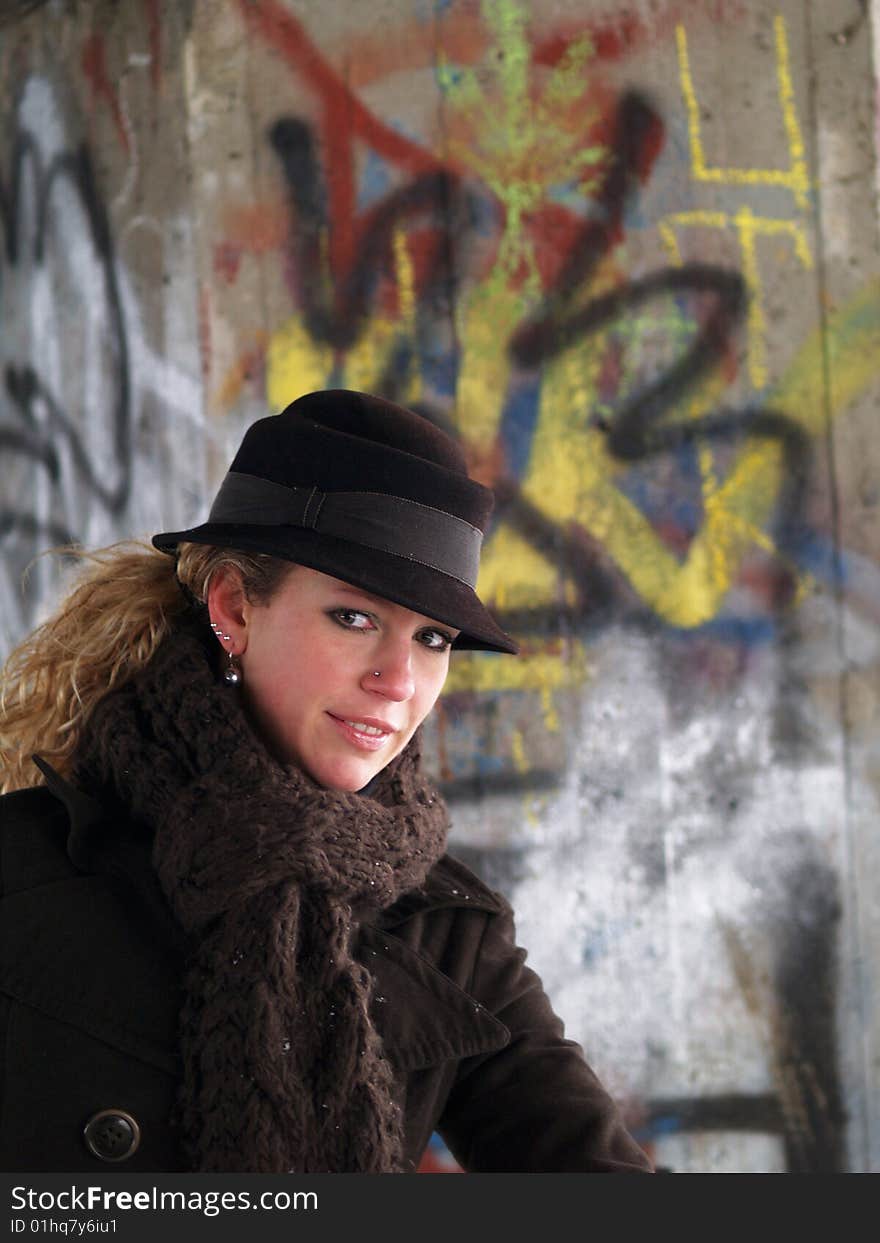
[436,640]
[352,619]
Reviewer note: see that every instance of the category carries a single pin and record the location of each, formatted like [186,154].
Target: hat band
[377,520]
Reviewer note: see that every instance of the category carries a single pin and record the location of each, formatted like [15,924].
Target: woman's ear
[228,608]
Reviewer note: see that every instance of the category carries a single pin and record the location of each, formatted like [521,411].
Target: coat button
[112,1135]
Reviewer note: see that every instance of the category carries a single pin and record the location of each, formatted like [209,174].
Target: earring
[232,672]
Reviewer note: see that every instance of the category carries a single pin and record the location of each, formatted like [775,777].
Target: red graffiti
[95,68]
[622,36]
[154,15]
[227,260]
[256,230]
[611,41]
[344,119]
[205,336]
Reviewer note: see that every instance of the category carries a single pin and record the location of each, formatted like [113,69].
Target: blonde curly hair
[121,606]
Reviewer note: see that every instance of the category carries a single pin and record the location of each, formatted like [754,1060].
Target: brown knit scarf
[282,1067]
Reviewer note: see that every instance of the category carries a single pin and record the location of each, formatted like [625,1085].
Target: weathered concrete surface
[633,262]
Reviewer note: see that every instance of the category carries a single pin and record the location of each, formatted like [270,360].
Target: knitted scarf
[282,1067]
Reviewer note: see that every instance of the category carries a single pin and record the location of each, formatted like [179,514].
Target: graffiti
[633,432]
[749,227]
[79,380]
[24,387]
[335,312]
[795,178]
[95,69]
[43,195]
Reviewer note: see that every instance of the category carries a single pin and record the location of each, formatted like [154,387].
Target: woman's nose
[391,673]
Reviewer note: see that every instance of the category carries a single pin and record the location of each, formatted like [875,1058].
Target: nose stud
[376,673]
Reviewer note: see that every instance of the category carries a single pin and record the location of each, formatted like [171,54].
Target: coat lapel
[423,1017]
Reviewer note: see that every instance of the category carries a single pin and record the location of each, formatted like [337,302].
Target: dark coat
[90,968]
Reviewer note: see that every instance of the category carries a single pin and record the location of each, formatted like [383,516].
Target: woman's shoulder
[449,885]
[463,887]
[35,803]
[34,827]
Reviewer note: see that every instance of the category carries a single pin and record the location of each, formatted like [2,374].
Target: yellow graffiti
[552,667]
[795,178]
[518,751]
[406,280]
[551,716]
[571,480]
[295,363]
[485,321]
[749,228]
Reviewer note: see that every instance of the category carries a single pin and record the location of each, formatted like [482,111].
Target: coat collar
[118,979]
[83,811]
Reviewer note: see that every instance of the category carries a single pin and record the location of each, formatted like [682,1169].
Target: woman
[231,938]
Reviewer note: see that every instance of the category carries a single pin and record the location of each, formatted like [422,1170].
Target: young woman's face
[337,680]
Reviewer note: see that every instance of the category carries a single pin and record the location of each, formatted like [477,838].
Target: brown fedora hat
[367,492]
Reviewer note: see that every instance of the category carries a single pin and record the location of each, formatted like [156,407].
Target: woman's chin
[346,776]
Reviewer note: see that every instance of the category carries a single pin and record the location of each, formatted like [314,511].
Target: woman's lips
[367,741]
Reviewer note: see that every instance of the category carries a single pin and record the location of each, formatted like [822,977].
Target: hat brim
[409,583]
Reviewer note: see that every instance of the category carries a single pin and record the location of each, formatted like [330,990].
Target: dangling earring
[232,672]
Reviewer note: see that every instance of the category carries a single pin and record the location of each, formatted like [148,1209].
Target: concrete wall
[631,259]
